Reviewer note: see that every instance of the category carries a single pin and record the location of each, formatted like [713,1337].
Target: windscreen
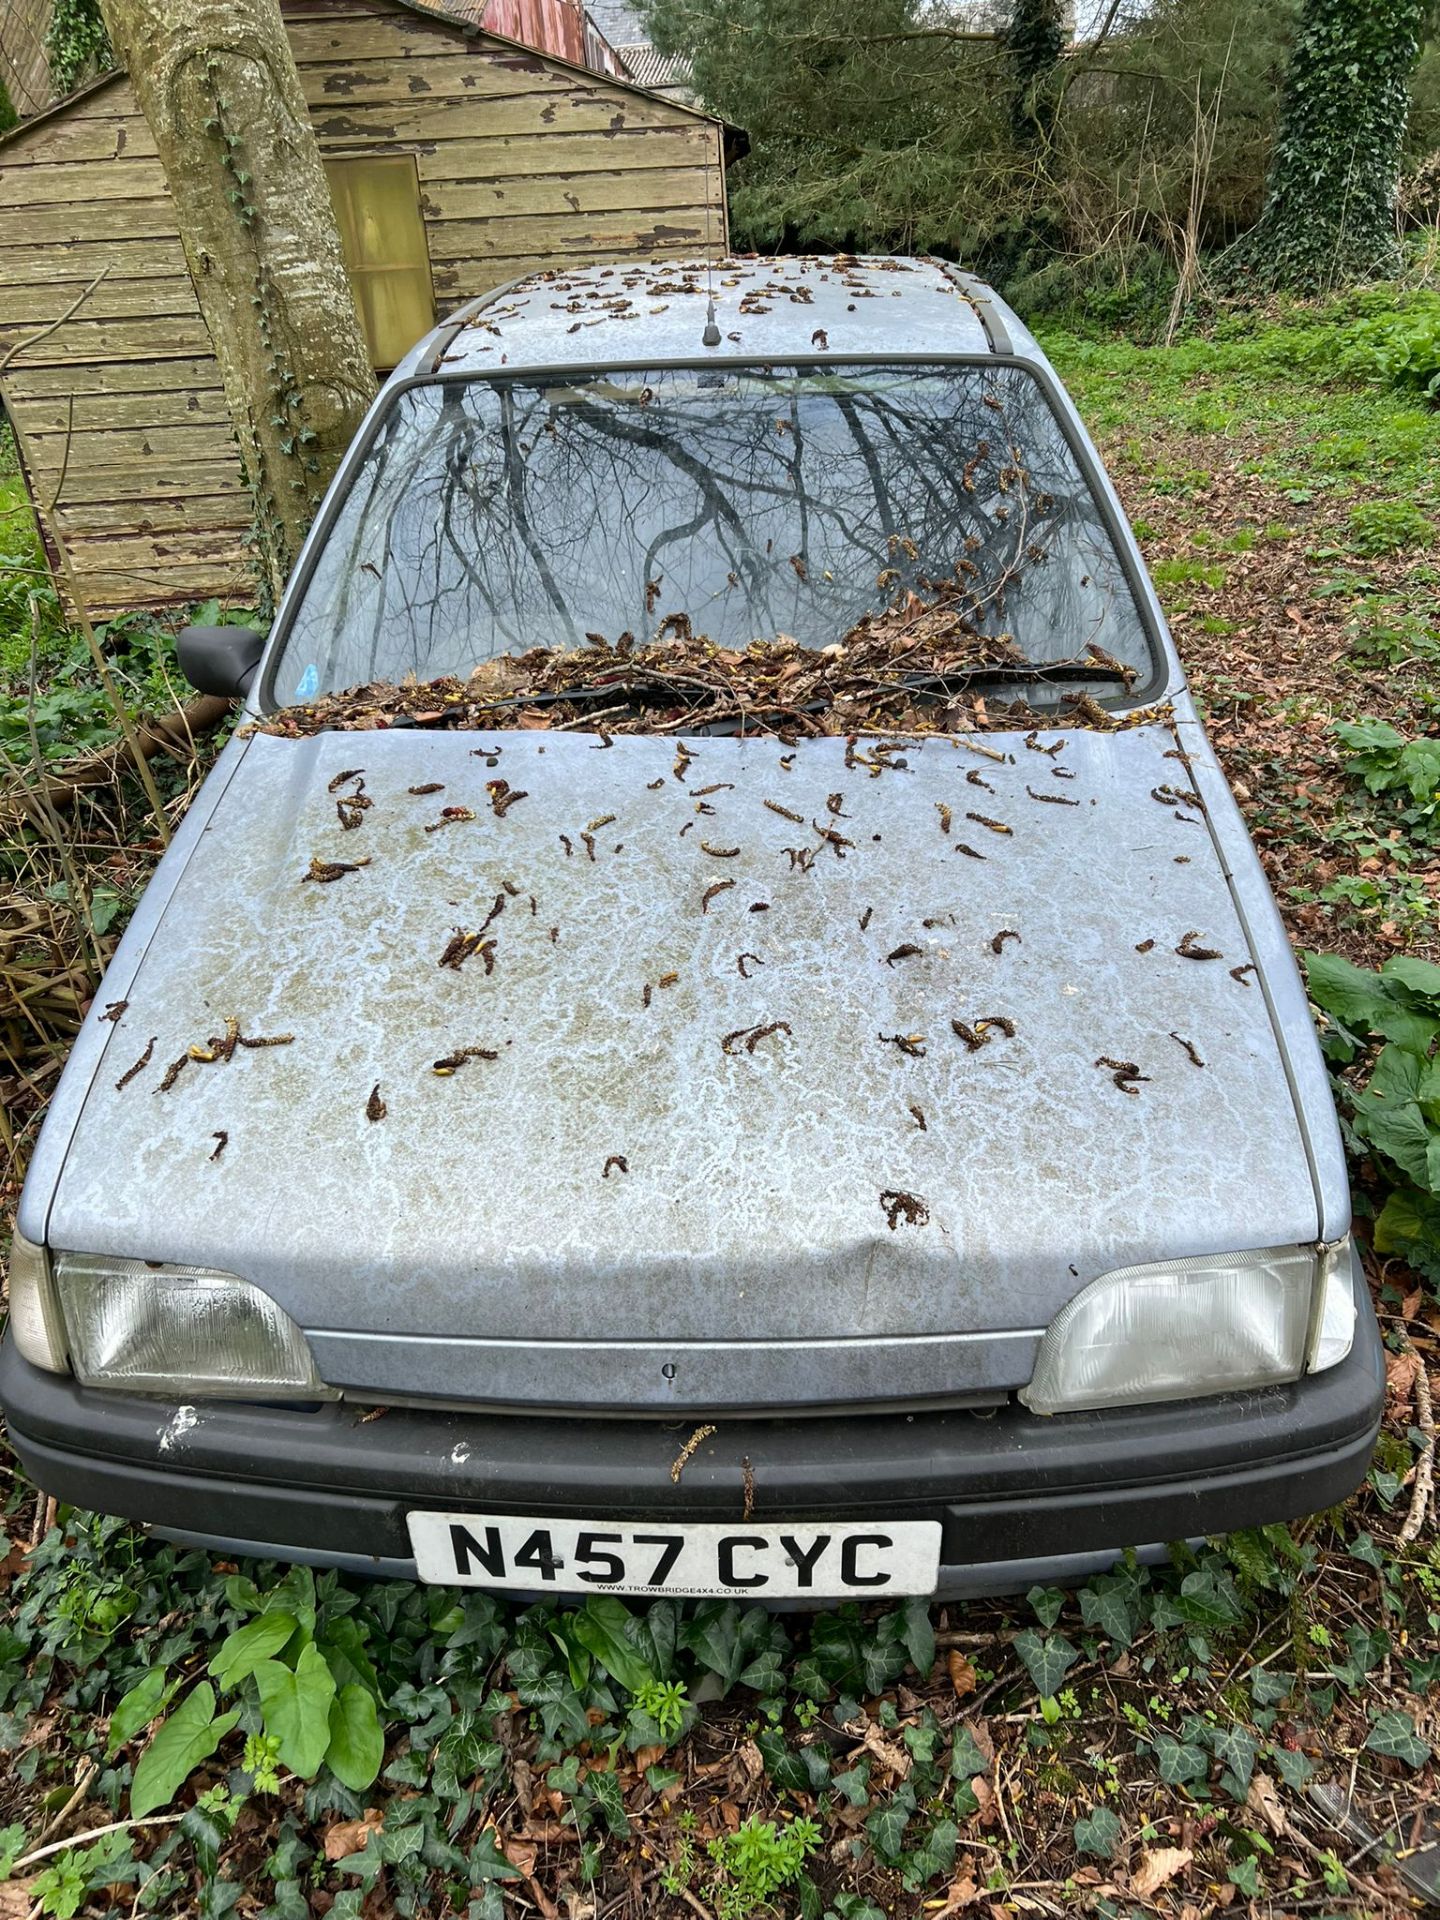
[493,516]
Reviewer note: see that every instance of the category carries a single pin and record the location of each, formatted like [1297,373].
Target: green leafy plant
[1398,349]
[1389,526]
[76,43]
[756,1861]
[66,1884]
[1388,763]
[1393,1112]
[664,1701]
[318,1703]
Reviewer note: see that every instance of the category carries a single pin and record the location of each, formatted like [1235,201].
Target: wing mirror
[220,659]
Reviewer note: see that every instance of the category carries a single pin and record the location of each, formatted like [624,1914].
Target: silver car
[951,1198]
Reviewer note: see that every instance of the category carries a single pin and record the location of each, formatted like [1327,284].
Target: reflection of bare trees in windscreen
[490,518]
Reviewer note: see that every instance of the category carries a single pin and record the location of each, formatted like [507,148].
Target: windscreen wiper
[1061,673]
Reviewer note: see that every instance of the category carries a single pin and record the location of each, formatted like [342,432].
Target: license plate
[691,1562]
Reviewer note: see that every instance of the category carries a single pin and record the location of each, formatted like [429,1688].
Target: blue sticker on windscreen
[308,684]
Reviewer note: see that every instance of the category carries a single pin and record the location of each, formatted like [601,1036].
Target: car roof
[653,313]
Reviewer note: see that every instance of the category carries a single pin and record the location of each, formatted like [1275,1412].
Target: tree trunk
[1329,213]
[1035,40]
[216,81]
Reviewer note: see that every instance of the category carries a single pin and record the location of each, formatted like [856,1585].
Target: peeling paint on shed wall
[524,163]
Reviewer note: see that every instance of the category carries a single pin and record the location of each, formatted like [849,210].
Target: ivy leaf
[935,1856]
[295,1704]
[241,1652]
[854,1786]
[1098,1833]
[886,1828]
[917,1636]
[1235,1748]
[1245,1874]
[1269,1689]
[357,1744]
[1393,1734]
[12,1845]
[190,1735]
[1178,1761]
[465,1749]
[1046,1659]
[1208,1597]
[712,1634]
[604,1789]
[487,1862]
[1296,1769]
[1046,1603]
[1107,1611]
[785,1768]
[966,1758]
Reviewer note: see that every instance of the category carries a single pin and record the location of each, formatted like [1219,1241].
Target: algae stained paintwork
[471,1246]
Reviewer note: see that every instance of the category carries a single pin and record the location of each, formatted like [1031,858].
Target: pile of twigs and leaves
[919,667]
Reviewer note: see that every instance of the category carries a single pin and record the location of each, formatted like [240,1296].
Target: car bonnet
[747,1124]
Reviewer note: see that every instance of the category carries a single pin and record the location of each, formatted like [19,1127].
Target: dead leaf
[520,1853]
[342,1839]
[13,1563]
[1400,1372]
[1263,1799]
[647,1757]
[15,1899]
[963,1676]
[989,1812]
[961,1893]
[521,1856]
[894,1759]
[1157,1868]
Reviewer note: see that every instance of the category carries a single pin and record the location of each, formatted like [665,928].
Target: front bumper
[1019,1496]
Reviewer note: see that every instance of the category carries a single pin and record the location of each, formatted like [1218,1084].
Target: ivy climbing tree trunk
[1329,213]
[217,84]
[1035,40]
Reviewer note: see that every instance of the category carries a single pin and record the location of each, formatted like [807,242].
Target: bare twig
[1420,1496]
[95,1833]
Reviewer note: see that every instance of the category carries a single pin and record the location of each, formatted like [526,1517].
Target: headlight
[34,1317]
[1213,1323]
[179,1331]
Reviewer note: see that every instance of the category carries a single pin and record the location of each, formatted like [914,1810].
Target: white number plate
[694,1561]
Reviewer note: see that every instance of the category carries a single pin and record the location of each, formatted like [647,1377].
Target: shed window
[382,235]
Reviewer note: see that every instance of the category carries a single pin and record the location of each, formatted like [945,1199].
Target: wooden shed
[457,160]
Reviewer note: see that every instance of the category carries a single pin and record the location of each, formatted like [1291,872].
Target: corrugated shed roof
[648,67]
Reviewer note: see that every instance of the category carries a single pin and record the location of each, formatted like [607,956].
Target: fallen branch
[171,731]
[1425,1466]
[95,1833]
